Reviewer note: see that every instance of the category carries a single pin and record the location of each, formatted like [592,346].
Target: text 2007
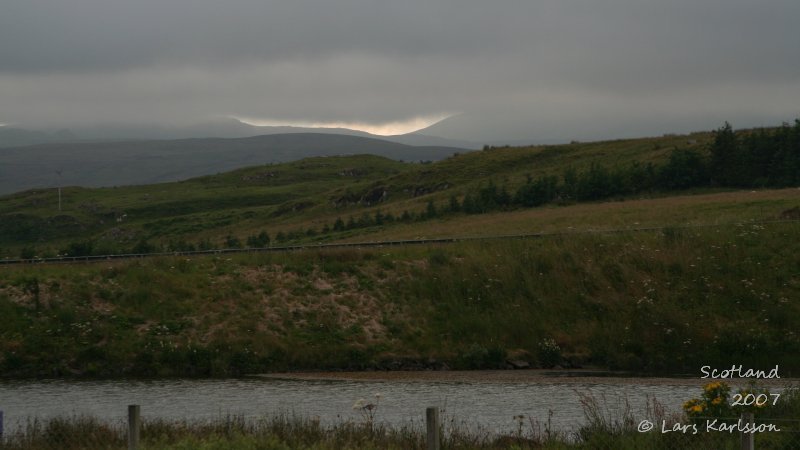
[752,399]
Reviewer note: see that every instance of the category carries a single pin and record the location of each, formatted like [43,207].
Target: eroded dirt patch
[300,301]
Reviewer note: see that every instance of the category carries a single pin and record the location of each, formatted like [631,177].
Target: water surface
[472,401]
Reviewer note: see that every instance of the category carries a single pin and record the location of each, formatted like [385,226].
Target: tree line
[752,159]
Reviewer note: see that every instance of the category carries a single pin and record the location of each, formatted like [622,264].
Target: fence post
[748,439]
[1,426]
[432,420]
[134,425]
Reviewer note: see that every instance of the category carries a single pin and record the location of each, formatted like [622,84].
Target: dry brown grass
[702,209]
[283,299]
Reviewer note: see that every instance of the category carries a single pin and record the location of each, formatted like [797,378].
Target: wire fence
[285,432]
[391,243]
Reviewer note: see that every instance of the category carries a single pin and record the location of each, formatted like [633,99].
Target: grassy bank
[283,432]
[664,301]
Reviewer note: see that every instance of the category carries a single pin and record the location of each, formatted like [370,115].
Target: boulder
[519,364]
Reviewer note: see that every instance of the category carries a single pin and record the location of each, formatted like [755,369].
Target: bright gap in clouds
[380,129]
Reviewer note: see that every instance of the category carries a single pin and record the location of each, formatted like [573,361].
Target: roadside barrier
[403,242]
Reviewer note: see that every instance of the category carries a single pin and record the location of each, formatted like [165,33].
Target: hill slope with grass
[348,198]
[289,197]
[667,301]
[695,273]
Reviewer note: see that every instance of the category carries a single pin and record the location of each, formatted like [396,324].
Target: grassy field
[700,209]
[664,301]
[298,196]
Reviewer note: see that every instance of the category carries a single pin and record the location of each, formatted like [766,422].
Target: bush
[549,353]
[232,242]
[477,356]
[83,248]
[716,402]
[258,241]
[27,253]
[144,247]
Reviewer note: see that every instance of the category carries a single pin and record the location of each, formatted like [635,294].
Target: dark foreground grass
[285,432]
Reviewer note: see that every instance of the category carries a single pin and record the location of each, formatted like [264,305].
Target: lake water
[477,403]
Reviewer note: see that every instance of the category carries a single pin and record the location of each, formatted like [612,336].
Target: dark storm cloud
[84,35]
[515,67]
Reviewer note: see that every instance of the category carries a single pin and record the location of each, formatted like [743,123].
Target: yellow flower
[697,408]
[716,401]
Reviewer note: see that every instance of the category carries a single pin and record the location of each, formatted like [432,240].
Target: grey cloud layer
[71,61]
[91,34]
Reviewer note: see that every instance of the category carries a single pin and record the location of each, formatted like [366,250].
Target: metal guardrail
[445,240]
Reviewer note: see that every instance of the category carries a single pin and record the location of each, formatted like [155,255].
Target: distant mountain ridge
[16,137]
[226,128]
[96,164]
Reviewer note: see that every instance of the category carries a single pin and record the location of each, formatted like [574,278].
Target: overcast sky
[532,69]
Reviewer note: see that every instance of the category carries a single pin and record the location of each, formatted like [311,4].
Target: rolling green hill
[693,274]
[297,196]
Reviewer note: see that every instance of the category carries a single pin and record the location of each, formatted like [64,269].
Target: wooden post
[748,439]
[432,420]
[134,425]
[1,427]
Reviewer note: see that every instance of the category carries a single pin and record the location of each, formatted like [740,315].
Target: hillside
[693,271]
[292,196]
[666,301]
[146,162]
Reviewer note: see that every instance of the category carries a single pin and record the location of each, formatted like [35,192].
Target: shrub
[258,241]
[549,353]
[477,356]
[27,253]
[716,402]
[232,241]
[83,248]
